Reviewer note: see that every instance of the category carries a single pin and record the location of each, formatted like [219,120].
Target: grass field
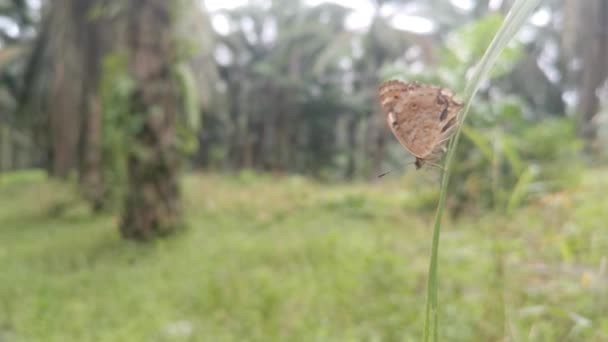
[292,260]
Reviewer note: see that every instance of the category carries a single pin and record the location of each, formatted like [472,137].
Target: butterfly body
[422,117]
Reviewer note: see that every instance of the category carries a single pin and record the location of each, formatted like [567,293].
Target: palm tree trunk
[65,94]
[152,205]
[91,38]
[595,66]
[6,148]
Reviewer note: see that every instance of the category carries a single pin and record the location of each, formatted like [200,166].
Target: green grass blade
[519,191]
[515,19]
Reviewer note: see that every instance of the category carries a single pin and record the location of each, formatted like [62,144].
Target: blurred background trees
[289,87]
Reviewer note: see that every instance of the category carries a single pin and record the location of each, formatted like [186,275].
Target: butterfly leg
[436,166]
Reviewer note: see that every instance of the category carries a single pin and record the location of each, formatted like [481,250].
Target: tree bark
[65,94]
[55,83]
[152,205]
[6,148]
[64,125]
[595,66]
[92,38]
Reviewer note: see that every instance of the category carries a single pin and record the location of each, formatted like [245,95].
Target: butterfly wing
[420,116]
[394,102]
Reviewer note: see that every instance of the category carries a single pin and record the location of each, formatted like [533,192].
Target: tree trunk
[351,131]
[152,204]
[92,39]
[6,148]
[65,94]
[53,90]
[595,66]
[91,172]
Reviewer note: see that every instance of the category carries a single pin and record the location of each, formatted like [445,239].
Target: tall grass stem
[514,20]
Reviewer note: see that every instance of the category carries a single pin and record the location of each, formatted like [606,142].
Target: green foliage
[119,126]
[465,46]
[553,145]
[190,100]
[289,259]
[190,113]
[502,148]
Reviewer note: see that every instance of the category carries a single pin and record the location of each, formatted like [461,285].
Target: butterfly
[421,116]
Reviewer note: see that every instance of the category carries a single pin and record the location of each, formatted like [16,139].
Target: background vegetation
[265,115]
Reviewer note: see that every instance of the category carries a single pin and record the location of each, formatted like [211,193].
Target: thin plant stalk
[515,19]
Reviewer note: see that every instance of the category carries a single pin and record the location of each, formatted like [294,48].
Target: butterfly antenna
[387,172]
[383,174]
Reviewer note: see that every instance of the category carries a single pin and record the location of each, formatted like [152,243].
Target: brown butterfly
[421,116]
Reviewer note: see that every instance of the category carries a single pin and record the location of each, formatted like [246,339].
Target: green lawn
[293,260]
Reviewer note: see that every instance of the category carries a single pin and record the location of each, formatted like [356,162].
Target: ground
[294,260]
